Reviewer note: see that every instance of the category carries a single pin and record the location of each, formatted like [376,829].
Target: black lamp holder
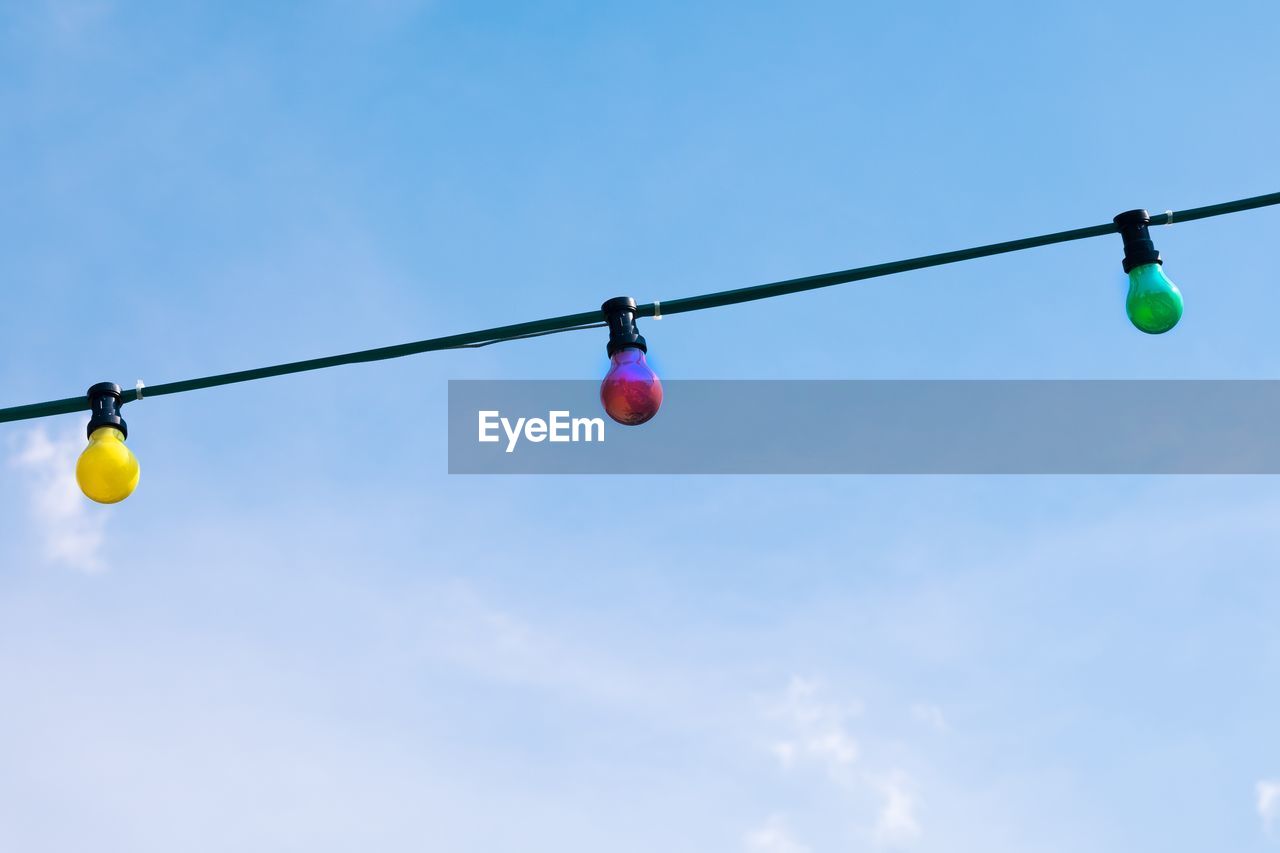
[104,403]
[620,314]
[1138,248]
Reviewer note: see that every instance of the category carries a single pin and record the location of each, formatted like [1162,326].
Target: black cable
[590,319]
[531,335]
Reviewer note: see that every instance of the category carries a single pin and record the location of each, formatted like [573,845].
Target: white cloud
[472,632]
[1268,803]
[74,17]
[62,24]
[930,715]
[820,735]
[896,823]
[773,837]
[70,529]
[818,729]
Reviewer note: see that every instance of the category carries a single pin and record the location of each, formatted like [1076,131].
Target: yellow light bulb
[107,471]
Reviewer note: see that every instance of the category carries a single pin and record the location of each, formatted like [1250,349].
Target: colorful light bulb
[107,470]
[631,392]
[1154,303]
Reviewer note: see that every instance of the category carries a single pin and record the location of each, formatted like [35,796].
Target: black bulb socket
[104,404]
[1138,248]
[620,314]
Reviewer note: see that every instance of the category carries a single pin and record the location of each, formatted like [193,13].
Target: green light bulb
[1154,303]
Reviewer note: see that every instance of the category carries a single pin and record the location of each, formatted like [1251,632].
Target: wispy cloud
[60,25]
[818,730]
[1268,803]
[493,641]
[820,735]
[930,715]
[896,822]
[773,837]
[73,17]
[71,531]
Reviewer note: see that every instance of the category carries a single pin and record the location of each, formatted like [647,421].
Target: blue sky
[301,634]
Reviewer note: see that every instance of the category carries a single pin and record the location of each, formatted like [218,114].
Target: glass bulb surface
[1154,303]
[631,392]
[107,470]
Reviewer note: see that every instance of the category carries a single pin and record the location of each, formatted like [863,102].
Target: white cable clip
[657,310]
[1168,217]
[138,386]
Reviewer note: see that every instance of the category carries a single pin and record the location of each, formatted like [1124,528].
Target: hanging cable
[591,319]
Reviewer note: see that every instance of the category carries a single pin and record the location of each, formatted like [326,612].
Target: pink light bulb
[631,392]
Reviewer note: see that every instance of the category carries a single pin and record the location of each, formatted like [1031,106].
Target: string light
[107,470]
[631,393]
[1154,304]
